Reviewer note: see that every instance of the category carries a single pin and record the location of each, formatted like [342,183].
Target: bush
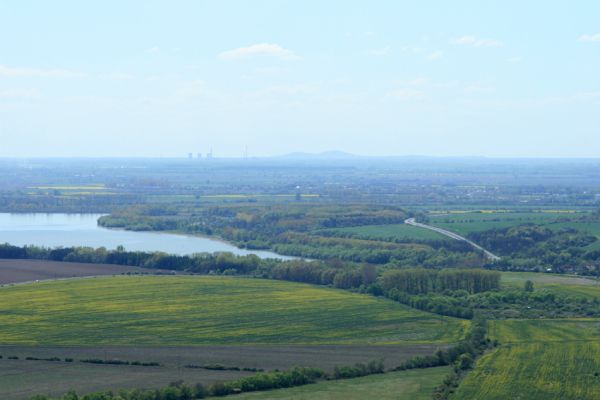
[373,367]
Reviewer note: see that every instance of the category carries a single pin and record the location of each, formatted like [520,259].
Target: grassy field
[563,284]
[544,371]
[465,223]
[395,231]
[405,385]
[545,330]
[538,359]
[185,310]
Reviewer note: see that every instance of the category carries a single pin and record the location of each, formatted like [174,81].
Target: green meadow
[392,231]
[562,284]
[465,223]
[195,310]
[545,330]
[544,371]
[405,385]
[538,359]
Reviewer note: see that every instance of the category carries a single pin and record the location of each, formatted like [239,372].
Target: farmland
[22,378]
[405,385]
[539,359]
[398,232]
[15,271]
[349,225]
[566,370]
[545,330]
[465,223]
[208,310]
[563,284]
[236,322]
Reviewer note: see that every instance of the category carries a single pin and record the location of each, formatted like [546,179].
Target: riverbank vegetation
[303,230]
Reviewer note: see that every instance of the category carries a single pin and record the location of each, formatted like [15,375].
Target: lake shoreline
[82,229]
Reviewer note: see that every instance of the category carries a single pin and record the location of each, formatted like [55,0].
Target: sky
[390,78]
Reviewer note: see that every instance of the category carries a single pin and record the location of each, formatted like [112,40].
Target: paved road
[491,256]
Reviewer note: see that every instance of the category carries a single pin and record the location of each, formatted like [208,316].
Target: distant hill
[326,155]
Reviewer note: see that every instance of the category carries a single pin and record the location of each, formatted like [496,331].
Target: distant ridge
[326,155]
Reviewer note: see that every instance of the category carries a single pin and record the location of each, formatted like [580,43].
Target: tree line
[423,281]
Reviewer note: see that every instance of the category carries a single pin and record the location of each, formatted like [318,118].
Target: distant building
[190,156]
[199,156]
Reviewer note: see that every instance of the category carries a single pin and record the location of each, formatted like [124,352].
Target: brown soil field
[19,271]
[21,379]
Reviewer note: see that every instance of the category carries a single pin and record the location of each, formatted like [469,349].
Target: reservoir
[65,230]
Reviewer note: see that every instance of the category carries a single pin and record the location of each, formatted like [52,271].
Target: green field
[405,385]
[545,330]
[593,228]
[544,371]
[563,284]
[184,310]
[538,359]
[465,223]
[393,231]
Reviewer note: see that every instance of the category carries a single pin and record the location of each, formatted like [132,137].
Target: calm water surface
[53,230]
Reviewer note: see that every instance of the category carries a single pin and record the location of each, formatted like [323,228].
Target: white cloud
[38,72]
[260,49]
[474,41]
[436,55]
[154,49]
[383,51]
[589,38]
[20,93]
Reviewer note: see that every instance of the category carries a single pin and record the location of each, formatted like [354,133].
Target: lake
[54,230]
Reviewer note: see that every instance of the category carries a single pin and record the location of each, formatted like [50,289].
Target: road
[491,256]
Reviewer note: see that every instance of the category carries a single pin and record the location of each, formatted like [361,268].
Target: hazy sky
[164,78]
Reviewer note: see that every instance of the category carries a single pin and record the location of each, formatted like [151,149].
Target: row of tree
[198,263]
[423,281]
